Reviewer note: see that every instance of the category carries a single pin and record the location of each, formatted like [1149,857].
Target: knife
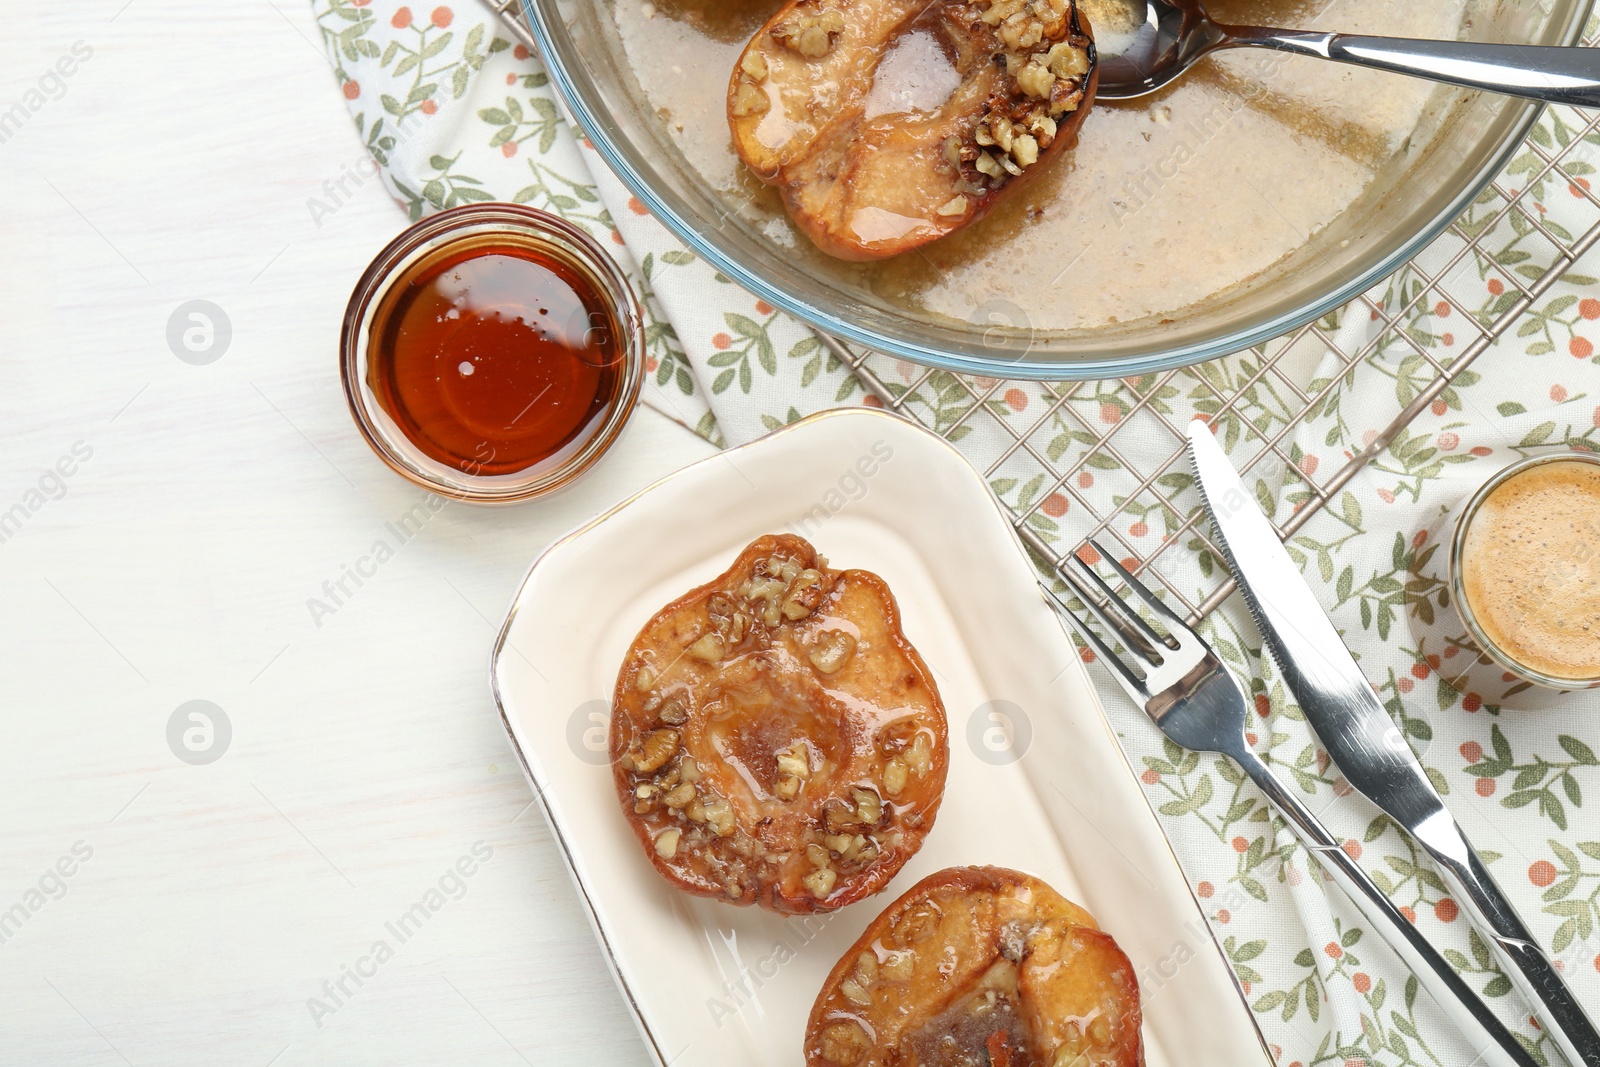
[1365,743]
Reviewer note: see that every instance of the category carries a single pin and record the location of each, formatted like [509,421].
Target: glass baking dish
[1461,142]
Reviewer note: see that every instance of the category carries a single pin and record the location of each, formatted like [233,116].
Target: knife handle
[1570,1029]
[1490,1038]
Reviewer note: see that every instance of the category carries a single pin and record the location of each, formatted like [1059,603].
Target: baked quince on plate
[979,967]
[775,738]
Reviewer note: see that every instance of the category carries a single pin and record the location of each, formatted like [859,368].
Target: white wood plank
[366,756]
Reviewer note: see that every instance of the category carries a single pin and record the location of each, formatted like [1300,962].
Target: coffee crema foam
[1530,569]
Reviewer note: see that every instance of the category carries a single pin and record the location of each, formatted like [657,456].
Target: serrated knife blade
[1369,749]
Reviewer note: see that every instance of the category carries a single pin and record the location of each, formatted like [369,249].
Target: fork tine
[1141,590]
[1131,684]
[1114,599]
[1145,658]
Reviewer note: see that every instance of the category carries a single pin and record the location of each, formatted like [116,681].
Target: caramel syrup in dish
[493,355]
[1166,202]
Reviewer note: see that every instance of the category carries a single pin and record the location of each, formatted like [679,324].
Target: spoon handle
[1538,72]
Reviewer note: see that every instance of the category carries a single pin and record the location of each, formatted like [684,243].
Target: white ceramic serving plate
[714,985]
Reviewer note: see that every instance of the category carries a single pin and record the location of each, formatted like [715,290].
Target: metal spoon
[1177,33]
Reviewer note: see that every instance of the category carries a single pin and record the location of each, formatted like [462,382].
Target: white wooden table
[175,563]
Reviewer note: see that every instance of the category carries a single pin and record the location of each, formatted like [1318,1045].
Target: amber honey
[494,353]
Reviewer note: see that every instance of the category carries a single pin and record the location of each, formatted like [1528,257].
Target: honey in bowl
[492,354]
[1530,568]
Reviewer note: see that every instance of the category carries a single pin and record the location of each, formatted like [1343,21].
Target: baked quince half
[886,124]
[979,967]
[775,739]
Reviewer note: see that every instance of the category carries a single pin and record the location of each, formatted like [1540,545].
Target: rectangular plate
[1036,781]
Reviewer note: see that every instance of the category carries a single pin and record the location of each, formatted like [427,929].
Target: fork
[1194,700]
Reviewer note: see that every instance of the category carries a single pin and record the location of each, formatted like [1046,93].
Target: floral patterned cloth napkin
[453,112]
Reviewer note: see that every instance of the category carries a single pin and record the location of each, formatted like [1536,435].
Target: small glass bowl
[561,240]
[1458,541]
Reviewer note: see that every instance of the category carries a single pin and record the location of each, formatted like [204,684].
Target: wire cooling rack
[1505,245]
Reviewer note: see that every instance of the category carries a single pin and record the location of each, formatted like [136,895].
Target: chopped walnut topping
[1070,1052]
[918,924]
[952,151]
[1005,134]
[1067,60]
[1046,63]
[855,993]
[1064,97]
[820,881]
[866,850]
[843,844]
[812,36]
[652,751]
[1036,80]
[898,966]
[749,100]
[895,773]
[1000,10]
[1020,32]
[869,806]
[831,651]
[755,65]
[838,816]
[794,761]
[845,1043]
[1025,150]
[805,593]
[708,648]
[719,815]
[794,768]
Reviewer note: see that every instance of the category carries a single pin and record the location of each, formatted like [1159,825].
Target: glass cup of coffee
[1524,571]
